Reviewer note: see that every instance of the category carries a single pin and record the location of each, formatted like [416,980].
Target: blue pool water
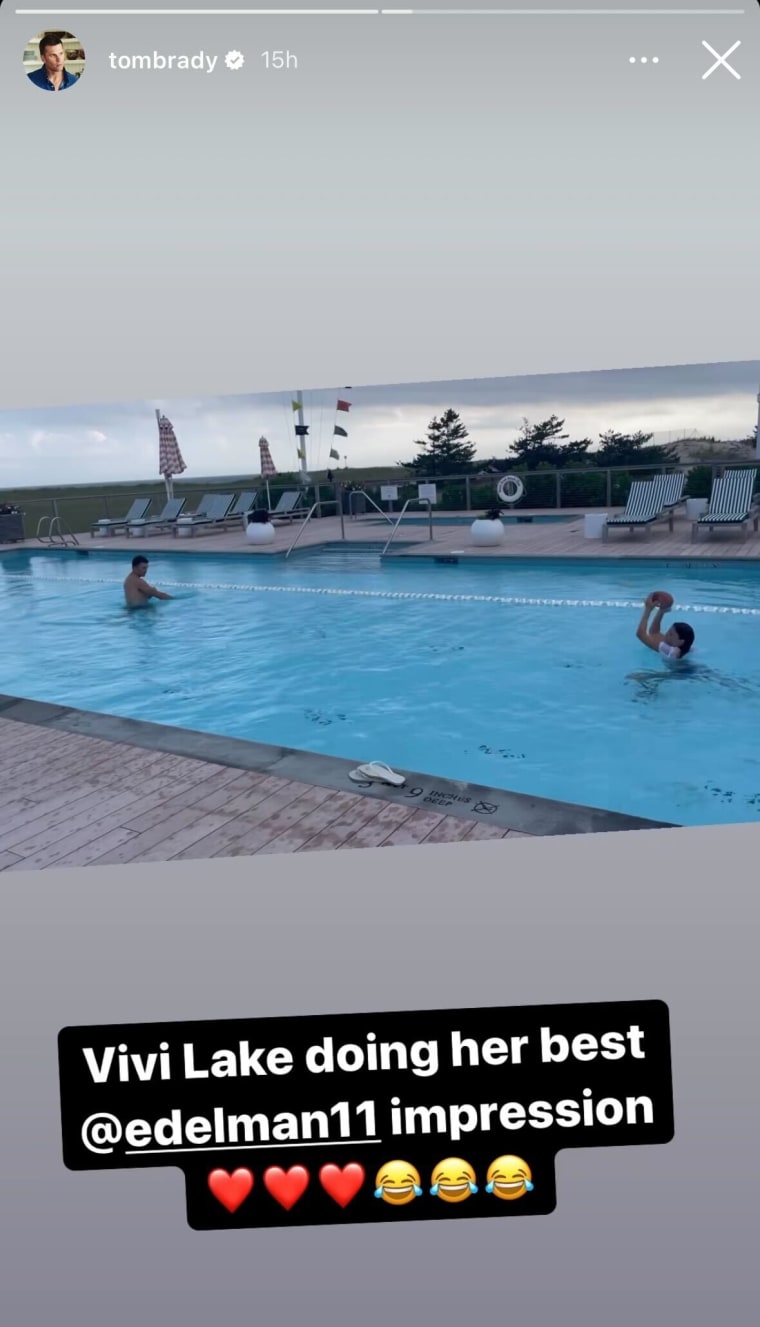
[521,675]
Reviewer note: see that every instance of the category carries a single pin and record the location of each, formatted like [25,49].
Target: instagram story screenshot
[379,663]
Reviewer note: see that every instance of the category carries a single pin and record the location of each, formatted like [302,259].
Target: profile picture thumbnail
[54,61]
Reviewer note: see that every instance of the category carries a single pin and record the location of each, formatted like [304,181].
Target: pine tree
[446,449]
[546,444]
[620,449]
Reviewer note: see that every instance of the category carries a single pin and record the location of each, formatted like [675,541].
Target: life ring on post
[510,489]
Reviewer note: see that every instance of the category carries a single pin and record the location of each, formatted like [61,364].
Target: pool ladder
[359,493]
[338,502]
[52,532]
[419,502]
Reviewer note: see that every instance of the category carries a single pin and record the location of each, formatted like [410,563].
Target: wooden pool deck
[545,540]
[75,800]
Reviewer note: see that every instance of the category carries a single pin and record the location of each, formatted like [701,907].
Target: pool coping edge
[476,803]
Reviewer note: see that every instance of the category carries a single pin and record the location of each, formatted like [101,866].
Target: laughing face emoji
[398,1183]
[453,1180]
[509,1178]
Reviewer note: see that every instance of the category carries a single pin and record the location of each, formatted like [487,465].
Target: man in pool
[137,591]
[674,643]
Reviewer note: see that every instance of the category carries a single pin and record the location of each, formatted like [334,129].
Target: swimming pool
[523,675]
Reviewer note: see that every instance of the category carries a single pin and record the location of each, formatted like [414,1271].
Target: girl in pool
[674,643]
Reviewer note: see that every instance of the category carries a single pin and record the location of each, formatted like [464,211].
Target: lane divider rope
[334,592]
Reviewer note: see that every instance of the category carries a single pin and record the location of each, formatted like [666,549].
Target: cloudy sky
[218,435]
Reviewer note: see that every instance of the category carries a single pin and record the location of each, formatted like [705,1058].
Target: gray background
[425,198]
[658,1234]
[432,198]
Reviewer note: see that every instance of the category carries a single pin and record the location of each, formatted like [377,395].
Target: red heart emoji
[342,1185]
[230,1190]
[286,1186]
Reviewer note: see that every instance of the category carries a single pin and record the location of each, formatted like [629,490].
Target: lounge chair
[644,507]
[671,489]
[165,519]
[242,507]
[731,502]
[288,506]
[136,513]
[214,512]
[201,509]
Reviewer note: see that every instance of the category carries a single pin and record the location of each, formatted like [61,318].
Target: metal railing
[360,493]
[330,502]
[421,502]
[575,487]
[55,532]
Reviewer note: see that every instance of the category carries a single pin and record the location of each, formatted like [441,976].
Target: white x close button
[721,61]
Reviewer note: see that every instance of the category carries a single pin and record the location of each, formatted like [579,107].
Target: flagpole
[302,438]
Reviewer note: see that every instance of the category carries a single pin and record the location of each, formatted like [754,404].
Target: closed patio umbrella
[268,469]
[170,462]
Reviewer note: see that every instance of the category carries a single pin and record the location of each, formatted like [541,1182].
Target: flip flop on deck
[377,772]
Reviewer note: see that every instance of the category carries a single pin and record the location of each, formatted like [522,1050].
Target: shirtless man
[137,591]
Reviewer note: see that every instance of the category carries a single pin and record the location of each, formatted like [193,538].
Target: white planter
[486,534]
[102,531]
[185,527]
[695,507]
[137,531]
[258,533]
[594,523]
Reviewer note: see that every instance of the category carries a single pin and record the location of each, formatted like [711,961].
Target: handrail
[324,502]
[56,530]
[64,534]
[360,493]
[408,503]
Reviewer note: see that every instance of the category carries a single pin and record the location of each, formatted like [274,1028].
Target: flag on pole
[335,456]
[343,405]
[301,454]
[170,462]
[302,430]
[338,432]
[296,405]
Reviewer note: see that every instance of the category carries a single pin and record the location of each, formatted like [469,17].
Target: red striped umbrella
[268,468]
[170,462]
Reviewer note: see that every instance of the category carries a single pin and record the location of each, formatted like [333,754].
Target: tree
[546,444]
[445,450]
[621,449]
